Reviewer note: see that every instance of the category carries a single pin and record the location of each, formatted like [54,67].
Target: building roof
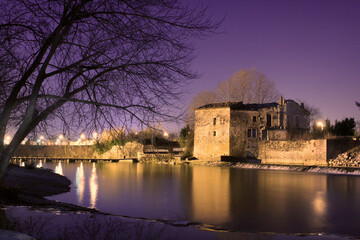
[240,106]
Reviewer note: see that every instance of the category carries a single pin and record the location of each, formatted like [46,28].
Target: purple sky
[309,48]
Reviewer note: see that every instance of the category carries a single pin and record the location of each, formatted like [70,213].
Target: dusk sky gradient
[309,48]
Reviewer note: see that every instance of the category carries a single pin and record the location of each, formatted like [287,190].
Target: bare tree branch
[93,61]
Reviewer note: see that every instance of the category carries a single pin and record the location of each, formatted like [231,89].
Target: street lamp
[95,135]
[7,139]
[166,134]
[320,124]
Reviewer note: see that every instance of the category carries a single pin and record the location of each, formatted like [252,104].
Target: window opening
[297,121]
[264,135]
[268,120]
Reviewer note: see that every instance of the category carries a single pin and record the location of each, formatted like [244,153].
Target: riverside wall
[130,149]
[304,152]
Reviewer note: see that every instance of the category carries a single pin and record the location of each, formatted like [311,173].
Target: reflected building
[211,195]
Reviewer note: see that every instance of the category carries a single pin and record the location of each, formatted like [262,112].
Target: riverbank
[56,222]
[344,169]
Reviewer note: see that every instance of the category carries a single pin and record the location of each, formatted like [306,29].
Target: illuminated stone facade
[235,129]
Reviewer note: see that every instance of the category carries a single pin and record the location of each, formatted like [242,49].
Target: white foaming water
[311,169]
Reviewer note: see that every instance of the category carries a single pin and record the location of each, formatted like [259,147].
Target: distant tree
[357,129]
[92,62]
[357,104]
[345,127]
[247,86]
[186,139]
[316,131]
[200,99]
[315,113]
[184,133]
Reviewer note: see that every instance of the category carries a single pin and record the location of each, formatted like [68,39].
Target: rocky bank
[350,159]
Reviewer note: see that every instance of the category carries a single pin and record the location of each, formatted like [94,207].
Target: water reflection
[80,183]
[211,194]
[39,164]
[238,199]
[93,183]
[58,169]
[319,203]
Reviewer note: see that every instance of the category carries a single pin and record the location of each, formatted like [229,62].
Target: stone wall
[212,140]
[241,121]
[304,152]
[130,149]
[301,152]
[55,151]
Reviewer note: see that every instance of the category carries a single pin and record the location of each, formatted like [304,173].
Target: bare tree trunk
[3,220]
[3,167]
[4,162]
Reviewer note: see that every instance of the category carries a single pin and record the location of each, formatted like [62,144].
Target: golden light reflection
[211,194]
[58,169]
[80,182]
[319,203]
[39,165]
[93,182]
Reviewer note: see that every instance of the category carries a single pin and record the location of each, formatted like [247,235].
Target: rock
[11,235]
[39,182]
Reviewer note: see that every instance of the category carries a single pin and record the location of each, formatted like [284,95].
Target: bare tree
[92,62]
[198,100]
[247,86]
[315,113]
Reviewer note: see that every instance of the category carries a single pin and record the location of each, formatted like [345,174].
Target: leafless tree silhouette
[247,86]
[92,62]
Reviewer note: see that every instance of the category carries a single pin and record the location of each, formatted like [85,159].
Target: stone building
[235,129]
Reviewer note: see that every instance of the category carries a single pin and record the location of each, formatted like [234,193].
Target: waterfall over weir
[297,168]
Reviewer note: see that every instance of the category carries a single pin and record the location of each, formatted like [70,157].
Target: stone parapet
[304,152]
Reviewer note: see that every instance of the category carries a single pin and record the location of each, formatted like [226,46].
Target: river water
[245,200]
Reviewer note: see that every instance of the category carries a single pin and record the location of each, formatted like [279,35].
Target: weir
[52,159]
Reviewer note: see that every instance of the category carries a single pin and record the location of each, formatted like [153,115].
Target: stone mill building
[235,129]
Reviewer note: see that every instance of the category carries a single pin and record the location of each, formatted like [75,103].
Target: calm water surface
[237,199]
